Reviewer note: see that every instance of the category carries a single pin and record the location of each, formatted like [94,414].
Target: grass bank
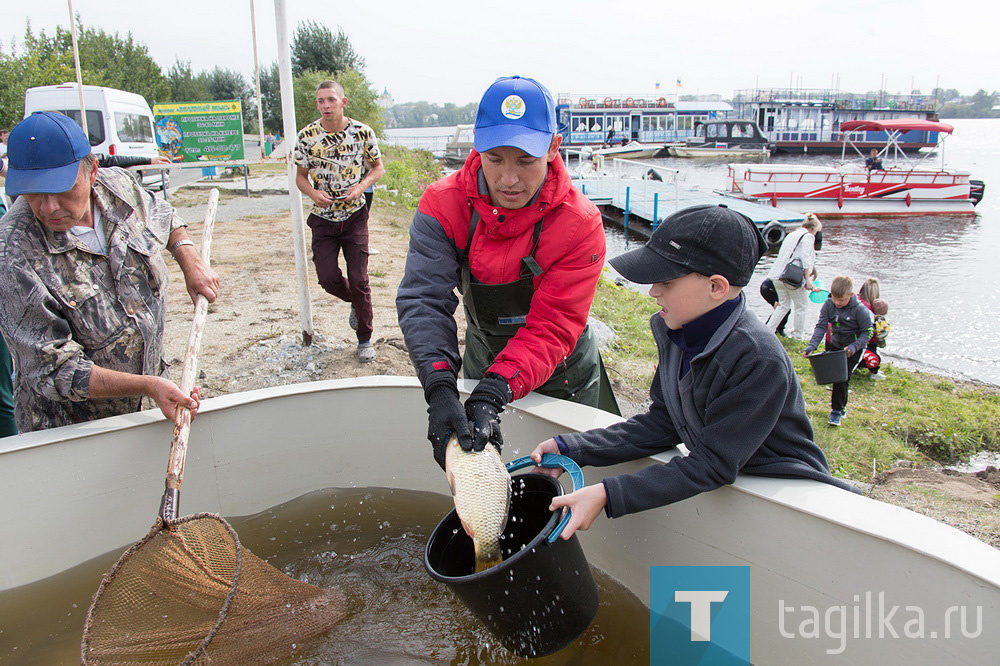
[910,416]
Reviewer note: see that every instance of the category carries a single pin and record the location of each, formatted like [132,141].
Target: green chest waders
[495,312]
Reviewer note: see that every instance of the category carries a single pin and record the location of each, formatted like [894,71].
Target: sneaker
[878,376]
[835,417]
[352,319]
[372,251]
[366,352]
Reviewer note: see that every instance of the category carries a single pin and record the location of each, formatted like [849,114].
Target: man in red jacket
[526,250]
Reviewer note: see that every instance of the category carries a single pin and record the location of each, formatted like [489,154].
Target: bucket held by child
[829,367]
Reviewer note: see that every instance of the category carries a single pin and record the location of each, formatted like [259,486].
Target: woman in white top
[800,244]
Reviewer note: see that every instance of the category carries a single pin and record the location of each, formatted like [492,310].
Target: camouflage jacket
[65,308]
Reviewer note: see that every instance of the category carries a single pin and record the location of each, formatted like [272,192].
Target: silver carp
[480,486]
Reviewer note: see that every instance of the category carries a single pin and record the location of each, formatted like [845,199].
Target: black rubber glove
[445,416]
[483,408]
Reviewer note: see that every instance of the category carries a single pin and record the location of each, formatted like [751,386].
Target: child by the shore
[869,297]
[850,327]
[724,385]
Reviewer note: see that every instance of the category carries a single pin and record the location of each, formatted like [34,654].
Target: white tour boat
[907,187]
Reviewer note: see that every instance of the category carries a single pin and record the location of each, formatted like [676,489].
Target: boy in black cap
[724,385]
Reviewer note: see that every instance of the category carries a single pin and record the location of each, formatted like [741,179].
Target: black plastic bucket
[830,367]
[542,596]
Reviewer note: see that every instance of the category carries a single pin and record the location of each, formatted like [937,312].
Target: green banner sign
[200,131]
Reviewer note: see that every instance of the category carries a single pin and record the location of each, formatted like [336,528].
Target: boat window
[715,131]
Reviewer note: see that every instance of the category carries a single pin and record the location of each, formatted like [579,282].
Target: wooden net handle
[182,418]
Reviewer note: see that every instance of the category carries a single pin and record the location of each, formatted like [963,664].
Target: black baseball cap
[703,239]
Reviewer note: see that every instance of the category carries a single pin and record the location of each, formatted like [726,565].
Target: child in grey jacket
[851,326]
[724,386]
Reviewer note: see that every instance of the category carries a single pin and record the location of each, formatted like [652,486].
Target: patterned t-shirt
[337,161]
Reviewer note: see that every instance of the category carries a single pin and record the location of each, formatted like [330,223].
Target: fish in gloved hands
[480,486]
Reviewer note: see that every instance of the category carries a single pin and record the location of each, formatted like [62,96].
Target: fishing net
[189,593]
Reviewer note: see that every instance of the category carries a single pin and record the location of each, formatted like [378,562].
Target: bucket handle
[553,460]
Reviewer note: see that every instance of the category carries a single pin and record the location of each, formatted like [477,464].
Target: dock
[640,204]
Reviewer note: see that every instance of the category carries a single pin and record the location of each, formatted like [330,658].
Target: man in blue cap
[526,250]
[83,282]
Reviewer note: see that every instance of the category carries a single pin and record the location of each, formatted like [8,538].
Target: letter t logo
[701,610]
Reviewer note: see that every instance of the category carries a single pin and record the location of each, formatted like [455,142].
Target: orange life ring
[583,102]
[661,102]
[607,102]
[630,102]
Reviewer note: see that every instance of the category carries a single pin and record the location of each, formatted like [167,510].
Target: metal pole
[256,75]
[656,204]
[295,197]
[628,191]
[79,77]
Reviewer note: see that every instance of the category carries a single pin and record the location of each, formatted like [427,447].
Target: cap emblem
[512,107]
[674,245]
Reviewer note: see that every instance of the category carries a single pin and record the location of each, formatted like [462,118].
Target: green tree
[105,60]
[185,86]
[121,62]
[315,47]
[362,99]
[270,97]
[230,84]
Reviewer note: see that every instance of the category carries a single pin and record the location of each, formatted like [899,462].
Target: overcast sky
[450,50]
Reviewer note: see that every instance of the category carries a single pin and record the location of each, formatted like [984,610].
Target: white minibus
[118,122]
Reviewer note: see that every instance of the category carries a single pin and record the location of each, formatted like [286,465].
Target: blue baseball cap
[518,112]
[44,152]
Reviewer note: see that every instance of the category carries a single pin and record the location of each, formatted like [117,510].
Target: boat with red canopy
[906,187]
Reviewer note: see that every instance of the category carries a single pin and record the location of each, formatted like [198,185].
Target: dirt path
[253,337]
[254,332]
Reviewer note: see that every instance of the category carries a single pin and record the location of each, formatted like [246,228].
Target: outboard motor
[977,188]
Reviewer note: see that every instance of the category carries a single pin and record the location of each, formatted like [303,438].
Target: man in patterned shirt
[83,282]
[338,158]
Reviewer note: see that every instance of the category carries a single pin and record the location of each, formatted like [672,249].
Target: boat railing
[631,183]
[837,98]
[617,101]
